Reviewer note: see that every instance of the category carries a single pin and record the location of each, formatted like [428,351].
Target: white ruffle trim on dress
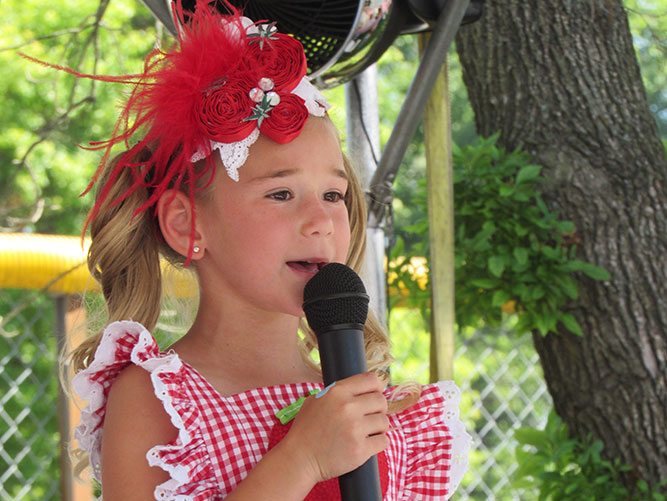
[129,342]
[461,440]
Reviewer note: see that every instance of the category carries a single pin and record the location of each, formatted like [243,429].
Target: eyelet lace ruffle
[436,442]
[461,440]
[185,458]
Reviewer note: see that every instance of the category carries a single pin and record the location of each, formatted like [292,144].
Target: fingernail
[321,394]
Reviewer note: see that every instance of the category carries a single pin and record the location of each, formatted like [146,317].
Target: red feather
[162,108]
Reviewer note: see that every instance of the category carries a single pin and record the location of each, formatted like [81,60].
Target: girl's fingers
[350,422]
[377,443]
[376,424]
[372,402]
[359,384]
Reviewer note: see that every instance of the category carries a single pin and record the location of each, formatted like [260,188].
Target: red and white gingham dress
[220,439]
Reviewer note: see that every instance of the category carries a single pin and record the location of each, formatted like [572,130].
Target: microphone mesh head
[335,295]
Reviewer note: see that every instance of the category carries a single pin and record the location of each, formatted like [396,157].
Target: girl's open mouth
[306,266]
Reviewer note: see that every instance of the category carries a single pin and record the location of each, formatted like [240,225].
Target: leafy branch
[79,54]
[55,34]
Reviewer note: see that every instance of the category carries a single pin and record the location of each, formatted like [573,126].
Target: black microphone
[336,307]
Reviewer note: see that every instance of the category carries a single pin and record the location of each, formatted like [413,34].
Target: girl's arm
[135,421]
[330,436]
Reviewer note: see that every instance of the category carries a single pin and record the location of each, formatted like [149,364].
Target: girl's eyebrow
[336,171]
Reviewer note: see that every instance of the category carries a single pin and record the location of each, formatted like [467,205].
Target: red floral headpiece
[225,81]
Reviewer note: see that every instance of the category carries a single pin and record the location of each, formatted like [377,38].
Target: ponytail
[124,258]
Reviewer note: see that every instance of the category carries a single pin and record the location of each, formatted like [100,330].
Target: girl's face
[268,234]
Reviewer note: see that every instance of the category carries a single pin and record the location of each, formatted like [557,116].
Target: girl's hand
[338,432]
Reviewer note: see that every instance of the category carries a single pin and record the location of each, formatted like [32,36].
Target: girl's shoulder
[145,395]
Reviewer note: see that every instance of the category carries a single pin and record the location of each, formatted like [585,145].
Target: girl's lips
[306,266]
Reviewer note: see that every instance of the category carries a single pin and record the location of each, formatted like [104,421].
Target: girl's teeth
[305,266]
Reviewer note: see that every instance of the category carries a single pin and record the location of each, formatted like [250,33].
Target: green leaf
[489,228]
[521,255]
[528,173]
[500,298]
[595,272]
[541,324]
[506,190]
[537,292]
[565,227]
[531,436]
[399,248]
[551,252]
[570,323]
[496,265]
[484,283]
[570,287]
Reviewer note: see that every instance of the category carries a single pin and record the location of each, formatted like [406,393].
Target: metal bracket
[435,53]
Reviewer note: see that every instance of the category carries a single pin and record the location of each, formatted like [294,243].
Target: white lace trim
[233,155]
[461,440]
[89,435]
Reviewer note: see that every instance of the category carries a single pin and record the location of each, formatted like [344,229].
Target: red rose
[222,110]
[282,60]
[285,121]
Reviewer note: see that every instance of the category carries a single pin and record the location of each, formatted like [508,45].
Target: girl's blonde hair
[124,257]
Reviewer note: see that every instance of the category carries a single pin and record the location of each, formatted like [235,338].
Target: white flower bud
[273,98]
[256,94]
[266,84]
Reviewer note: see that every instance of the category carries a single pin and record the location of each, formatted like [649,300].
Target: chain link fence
[502,388]
[29,425]
[499,375]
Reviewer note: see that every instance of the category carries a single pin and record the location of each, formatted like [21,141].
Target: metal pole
[432,59]
[70,325]
[63,408]
[363,146]
[162,12]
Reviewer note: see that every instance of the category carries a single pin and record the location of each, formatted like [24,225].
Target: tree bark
[560,79]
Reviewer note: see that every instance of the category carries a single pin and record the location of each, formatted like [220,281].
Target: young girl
[239,175]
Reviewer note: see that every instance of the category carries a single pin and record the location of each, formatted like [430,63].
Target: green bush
[564,468]
[511,254]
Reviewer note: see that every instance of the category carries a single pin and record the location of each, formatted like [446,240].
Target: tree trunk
[560,79]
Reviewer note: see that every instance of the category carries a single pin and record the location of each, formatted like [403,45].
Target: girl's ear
[175,217]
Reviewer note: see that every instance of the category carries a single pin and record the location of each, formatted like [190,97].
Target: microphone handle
[342,354]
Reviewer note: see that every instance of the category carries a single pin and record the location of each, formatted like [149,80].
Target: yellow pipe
[52,262]
[57,264]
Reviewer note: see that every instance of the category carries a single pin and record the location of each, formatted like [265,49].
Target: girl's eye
[281,195]
[334,196]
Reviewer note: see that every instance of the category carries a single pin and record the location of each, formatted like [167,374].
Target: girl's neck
[237,351]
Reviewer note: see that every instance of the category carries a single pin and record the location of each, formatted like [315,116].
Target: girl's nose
[316,220]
